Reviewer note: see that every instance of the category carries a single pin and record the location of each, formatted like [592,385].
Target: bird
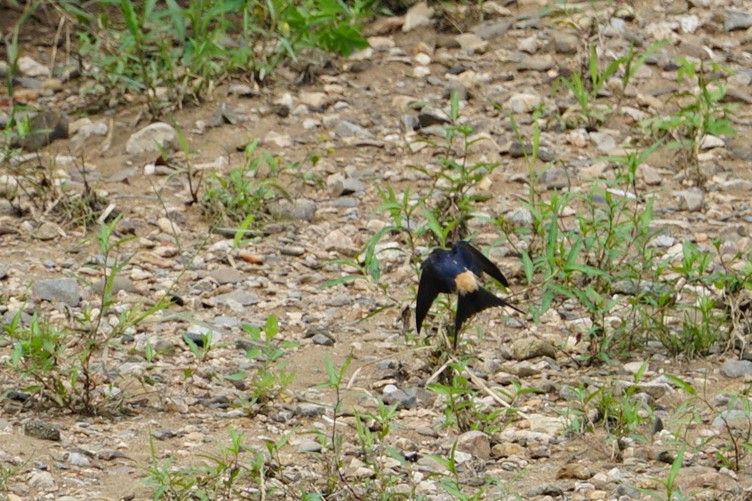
[456,271]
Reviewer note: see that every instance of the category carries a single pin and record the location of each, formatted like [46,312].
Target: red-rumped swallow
[456,271]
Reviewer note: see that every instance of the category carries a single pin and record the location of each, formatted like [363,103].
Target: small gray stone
[47,231]
[521,217]
[322,340]
[346,128]
[226,275]
[565,43]
[42,430]
[736,368]
[531,347]
[309,446]
[309,410]
[239,296]
[119,283]
[523,102]
[736,19]
[431,116]
[32,68]
[78,459]
[152,139]
[197,333]
[537,63]
[41,480]
[393,395]
[476,443]
[691,200]
[44,128]
[409,122]
[301,209]
[64,290]
[555,178]
[491,29]
[418,15]
[735,418]
[470,42]
[605,143]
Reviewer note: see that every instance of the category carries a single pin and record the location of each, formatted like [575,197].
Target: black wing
[485,264]
[429,287]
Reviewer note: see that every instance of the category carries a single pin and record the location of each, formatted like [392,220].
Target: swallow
[456,271]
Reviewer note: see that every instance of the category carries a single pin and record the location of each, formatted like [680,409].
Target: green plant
[231,474]
[180,51]
[271,377]
[243,192]
[461,408]
[62,364]
[669,483]
[449,204]
[702,112]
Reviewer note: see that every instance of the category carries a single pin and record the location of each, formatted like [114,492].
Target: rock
[64,290]
[119,283]
[84,128]
[242,90]
[301,209]
[309,410]
[537,63]
[200,335]
[521,217]
[605,143]
[309,446]
[476,443]
[47,231]
[523,102]
[238,296]
[278,140]
[42,430]
[44,128]
[429,116]
[32,68]
[393,395]
[418,15]
[41,480]
[78,459]
[346,128]
[736,19]
[316,101]
[152,139]
[574,471]
[649,175]
[546,425]
[691,200]
[338,241]
[507,449]
[226,275]
[736,368]
[531,347]
[322,339]
[470,42]
[488,30]
[565,43]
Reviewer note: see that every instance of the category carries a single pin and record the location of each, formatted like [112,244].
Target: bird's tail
[473,302]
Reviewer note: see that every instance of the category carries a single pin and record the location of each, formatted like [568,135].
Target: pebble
[417,16]
[64,290]
[153,138]
[476,443]
[42,430]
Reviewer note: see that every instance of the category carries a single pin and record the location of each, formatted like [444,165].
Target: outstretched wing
[476,257]
[429,287]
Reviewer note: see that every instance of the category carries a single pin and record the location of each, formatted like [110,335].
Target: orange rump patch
[466,282]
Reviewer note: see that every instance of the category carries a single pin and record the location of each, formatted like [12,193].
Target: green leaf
[682,384]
